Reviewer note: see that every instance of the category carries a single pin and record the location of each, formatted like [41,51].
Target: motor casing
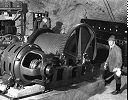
[16,61]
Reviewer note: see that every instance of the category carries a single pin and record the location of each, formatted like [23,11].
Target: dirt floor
[105,94]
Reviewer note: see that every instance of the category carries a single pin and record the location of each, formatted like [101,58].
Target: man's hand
[117,71]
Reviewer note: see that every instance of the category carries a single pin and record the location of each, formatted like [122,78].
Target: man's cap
[111,38]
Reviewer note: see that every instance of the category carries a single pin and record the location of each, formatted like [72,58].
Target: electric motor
[21,61]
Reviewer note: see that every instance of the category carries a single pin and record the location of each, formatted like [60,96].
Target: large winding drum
[73,44]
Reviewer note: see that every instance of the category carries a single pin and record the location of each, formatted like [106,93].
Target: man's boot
[117,91]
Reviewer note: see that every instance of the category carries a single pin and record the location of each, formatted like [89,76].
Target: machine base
[76,92]
[26,91]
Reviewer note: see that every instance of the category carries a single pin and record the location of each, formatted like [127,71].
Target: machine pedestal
[26,91]
[79,91]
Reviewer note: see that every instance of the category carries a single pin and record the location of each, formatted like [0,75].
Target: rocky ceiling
[71,11]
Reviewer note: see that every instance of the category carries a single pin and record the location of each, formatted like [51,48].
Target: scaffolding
[19,9]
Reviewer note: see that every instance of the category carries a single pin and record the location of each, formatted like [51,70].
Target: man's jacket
[114,59]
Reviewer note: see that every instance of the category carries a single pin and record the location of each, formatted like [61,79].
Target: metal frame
[19,10]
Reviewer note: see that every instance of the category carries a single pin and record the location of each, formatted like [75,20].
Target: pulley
[47,71]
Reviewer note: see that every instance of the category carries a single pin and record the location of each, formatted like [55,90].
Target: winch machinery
[50,59]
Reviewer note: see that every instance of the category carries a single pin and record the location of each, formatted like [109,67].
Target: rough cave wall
[71,11]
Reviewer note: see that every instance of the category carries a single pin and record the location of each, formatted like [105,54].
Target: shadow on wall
[58,27]
[102,53]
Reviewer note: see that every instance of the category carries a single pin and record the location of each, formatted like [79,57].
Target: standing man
[114,63]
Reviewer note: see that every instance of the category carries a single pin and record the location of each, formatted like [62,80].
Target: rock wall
[69,12]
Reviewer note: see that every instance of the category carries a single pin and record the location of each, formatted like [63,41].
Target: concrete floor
[80,91]
[84,91]
[105,94]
